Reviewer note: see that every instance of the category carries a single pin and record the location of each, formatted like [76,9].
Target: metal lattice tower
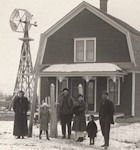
[25,78]
[20,22]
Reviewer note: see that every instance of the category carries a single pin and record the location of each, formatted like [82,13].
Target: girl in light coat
[44,119]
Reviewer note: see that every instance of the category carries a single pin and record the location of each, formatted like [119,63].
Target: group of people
[70,111]
[75,109]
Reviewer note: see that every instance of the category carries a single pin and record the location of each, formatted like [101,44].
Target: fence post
[53,121]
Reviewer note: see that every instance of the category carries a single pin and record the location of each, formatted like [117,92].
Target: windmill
[20,21]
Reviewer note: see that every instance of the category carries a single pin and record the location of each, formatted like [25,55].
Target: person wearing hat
[66,105]
[20,107]
[44,119]
[79,121]
[106,112]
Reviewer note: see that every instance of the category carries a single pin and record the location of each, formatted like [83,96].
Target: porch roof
[81,69]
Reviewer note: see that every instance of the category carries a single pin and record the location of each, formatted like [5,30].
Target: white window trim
[84,39]
[118,89]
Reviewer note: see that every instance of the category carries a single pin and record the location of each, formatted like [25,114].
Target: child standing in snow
[91,129]
[44,119]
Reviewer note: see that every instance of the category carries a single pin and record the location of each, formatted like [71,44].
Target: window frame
[85,39]
[119,87]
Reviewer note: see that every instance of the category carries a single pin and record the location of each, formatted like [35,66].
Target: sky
[46,13]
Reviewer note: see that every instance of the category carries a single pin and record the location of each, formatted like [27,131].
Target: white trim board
[133,93]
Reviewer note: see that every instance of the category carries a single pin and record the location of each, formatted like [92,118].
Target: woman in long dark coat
[79,123]
[20,107]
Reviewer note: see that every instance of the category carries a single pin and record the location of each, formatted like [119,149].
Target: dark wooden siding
[137,95]
[101,86]
[111,43]
[125,96]
[45,86]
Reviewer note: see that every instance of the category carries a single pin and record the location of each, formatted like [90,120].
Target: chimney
[103,5]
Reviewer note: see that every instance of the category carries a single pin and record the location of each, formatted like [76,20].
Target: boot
[81,139]
[40,134]
[68,136]
[64,136]
[78,140]
[47,136]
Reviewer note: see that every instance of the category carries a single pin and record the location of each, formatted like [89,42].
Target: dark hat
[65,89]
[21,92]
[105,92]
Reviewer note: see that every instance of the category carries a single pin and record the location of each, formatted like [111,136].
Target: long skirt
[79,134]
[79,123]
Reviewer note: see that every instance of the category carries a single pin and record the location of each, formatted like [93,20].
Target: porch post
[53,121]
[87,78]
[87,96]
[33,107]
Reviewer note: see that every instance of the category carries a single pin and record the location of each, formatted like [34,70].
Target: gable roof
[122,23]
[125,25]
[116,23]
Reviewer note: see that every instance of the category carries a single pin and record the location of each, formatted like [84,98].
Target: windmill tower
[20,22]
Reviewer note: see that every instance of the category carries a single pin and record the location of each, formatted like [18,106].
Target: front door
[62,85]
[78,86]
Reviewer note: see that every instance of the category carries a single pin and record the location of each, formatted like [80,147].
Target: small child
[91,129]
[44,119]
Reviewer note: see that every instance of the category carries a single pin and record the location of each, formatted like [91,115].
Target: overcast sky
[46,13]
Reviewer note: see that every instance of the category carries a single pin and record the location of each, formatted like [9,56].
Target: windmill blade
[13,26]
[28,16]
[15,14]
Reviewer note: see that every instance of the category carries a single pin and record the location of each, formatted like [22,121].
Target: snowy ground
[123,137]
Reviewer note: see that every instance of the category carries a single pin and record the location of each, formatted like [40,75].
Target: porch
[93,78]
[88,79]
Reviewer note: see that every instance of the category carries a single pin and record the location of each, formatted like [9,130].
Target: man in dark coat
[66,105]
[20,107]
[106,113]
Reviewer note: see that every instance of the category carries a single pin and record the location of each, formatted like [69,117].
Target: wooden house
[89,51]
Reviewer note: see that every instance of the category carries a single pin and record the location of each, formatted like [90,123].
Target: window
[114,91]
[85,50]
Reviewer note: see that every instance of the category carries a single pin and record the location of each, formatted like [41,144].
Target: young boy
[91,129]
[44,119]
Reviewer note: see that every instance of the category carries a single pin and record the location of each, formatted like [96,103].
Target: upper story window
[85,50]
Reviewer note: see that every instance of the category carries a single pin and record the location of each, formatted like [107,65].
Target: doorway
[78,86]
